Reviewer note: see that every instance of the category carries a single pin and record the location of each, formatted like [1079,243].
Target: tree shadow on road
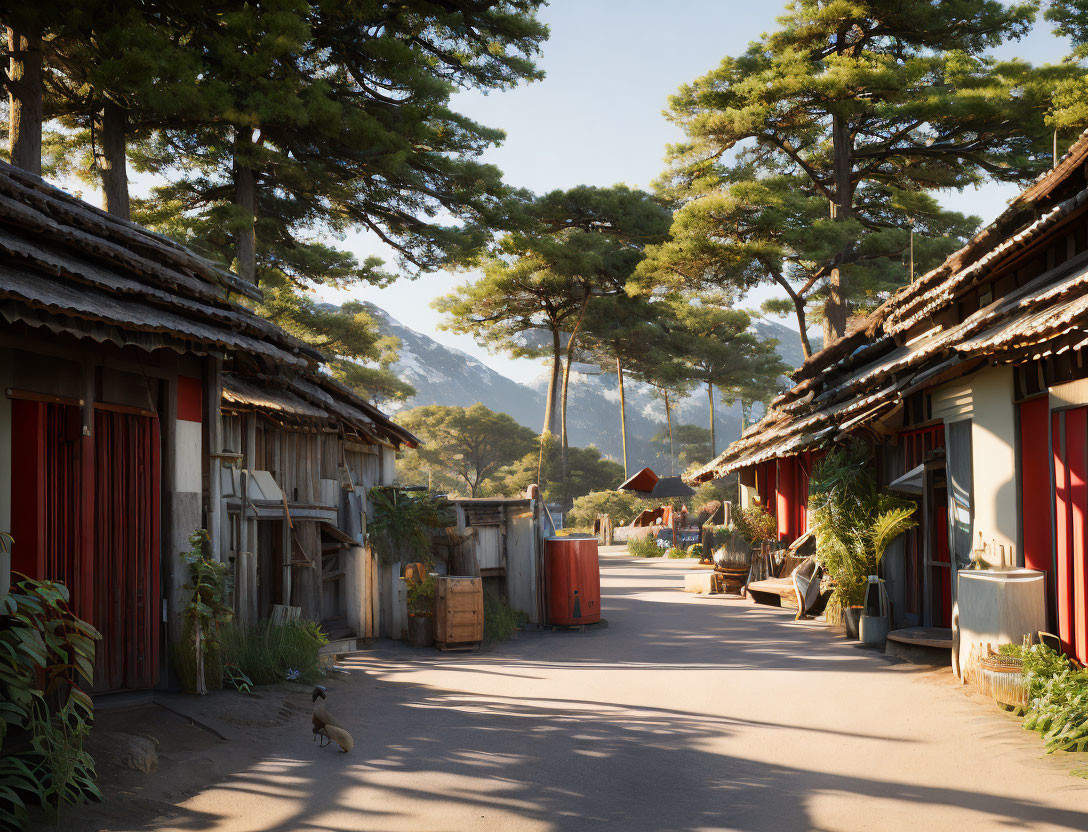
[571,764]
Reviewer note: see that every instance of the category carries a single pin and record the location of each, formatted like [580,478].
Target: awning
[643,482]
[910,482]
[669,487]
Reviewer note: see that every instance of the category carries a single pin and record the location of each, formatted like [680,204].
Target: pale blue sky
[597,117]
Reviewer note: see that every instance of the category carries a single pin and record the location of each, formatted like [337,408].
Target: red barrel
[574,579]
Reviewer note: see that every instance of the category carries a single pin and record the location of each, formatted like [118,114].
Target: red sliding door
[1070,443]
[85,512]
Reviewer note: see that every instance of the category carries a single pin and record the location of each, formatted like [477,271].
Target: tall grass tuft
[266,652]
[500,619]
[644,547]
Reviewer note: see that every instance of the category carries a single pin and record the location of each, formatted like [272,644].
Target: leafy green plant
[207,608]
[399,522]
[755,524]
[696,551]
[1057,700]
[236,678]
[264,654]
[421,597]
[501,620]
[45,652]
[644,547]
[853,522]
[676,552]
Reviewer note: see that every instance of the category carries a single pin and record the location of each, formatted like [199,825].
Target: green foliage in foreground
[1057,700]
[501,620]
[644,547]
[46,651]
[677,552]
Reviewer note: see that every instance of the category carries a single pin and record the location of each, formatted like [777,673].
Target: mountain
[443,375]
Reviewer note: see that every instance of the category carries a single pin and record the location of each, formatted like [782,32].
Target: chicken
[325,724]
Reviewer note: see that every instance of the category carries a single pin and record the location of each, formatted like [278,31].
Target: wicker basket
[1002,678]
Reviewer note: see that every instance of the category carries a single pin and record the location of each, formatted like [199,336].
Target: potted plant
[421,611]
[854,523]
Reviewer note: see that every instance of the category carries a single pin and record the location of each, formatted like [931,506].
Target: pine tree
[327,116]
[576,245]
[864,105]
[723,353]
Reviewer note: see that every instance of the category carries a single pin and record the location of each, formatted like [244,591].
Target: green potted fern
[854,523]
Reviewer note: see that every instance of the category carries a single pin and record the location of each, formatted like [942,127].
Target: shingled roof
[68,267]
[865,375]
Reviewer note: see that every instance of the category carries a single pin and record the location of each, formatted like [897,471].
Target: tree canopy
[862,106]
[461,446]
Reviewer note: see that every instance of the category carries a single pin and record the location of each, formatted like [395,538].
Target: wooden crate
[459,613]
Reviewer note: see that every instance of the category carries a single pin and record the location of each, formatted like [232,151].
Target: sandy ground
[684,713]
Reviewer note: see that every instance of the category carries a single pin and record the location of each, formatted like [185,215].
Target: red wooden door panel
[1035,488]
[1070,454]
[99,535]
[126,509]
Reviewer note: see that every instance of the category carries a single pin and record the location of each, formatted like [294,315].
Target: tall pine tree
[863,105]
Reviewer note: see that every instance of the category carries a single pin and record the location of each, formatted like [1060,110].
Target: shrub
[677,552]
[755,524]
[1057,700]
[398,523]
[204,614]
[421,596]
[621,506]
[853,522]
[644,547]
[266,652]
[501,620]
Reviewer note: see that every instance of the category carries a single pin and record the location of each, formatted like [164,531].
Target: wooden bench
[776,589]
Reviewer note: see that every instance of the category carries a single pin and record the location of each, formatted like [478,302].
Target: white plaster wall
[993,451]
[187,470]
[748,496]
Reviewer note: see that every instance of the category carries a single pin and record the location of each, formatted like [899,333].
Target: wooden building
[116,348]
[971,384]
[298,457]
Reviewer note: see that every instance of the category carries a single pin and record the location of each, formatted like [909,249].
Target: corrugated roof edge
[182,256]
[986,238]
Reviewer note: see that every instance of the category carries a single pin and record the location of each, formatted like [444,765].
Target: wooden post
[213,389]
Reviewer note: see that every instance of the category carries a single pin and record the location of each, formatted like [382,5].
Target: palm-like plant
[853,521]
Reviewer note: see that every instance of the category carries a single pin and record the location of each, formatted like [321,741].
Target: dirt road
[684,713]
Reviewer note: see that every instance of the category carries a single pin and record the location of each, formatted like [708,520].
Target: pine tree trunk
[112,160]
[713,443]
[549,405]
[623,415]
[668,421]
[802,327]
[553,384]
[245,198]
[25,100]
[564,462]
[835,309]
